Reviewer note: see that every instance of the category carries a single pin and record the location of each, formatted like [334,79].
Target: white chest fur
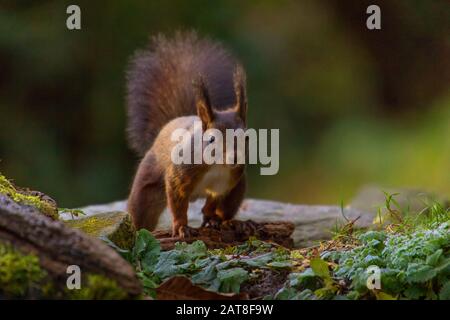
[216,181]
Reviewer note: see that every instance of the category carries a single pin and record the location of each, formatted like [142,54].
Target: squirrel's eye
[211,139]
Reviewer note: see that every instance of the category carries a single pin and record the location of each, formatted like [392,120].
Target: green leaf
[444,293]
[392,280]
[306,294]
[231,279]
[124,253]
[150,257]
[286,294]
[320,268]
[415,292]
[149,283]
[372,235]
[431,295]
[417,273]
[167,264]
[146,249]
[208,274]
[353,295]
[433,259]
[280,264]
[384,296]
[305,279]
[194,250]
[443,266]
[259,261]
[373,260]
[143,239]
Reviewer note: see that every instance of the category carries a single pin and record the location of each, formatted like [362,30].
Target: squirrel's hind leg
[178,203]
[147,198]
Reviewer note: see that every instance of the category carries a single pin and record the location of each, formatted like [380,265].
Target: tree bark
[58,246]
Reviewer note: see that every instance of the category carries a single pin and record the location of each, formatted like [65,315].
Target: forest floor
[404,257]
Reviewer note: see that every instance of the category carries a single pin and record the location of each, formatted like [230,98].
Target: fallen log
[312,222]
[26,230]
[232,233]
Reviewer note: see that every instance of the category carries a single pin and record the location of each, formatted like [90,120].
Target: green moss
[116,226]
[20,274]
[124,236]
[7,188]
[98,287]
[94,225]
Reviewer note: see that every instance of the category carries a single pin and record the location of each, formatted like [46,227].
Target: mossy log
[57,246]
[115,226]
[232,233]
[42,202]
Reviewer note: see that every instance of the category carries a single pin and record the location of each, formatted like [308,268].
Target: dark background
[353,106]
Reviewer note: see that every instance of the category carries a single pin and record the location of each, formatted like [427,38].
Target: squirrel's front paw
[211,222]
[182,232]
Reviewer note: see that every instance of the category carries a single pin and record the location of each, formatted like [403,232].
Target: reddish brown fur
[173,79]
[160,83]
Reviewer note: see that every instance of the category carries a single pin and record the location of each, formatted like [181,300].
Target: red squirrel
[171,84]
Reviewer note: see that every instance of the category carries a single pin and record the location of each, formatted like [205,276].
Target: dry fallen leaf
[181,288]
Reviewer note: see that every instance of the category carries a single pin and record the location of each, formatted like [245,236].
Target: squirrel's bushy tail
[160,83]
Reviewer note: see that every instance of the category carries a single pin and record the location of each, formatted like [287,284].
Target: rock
[48,247]
[371,198]
[312,222]
[116,226]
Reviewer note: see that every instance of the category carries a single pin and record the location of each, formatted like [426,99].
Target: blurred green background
[353,106]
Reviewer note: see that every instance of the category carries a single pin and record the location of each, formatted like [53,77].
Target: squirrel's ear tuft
[203,102]
[240,91]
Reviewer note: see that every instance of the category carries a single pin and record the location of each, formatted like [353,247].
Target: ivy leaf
[419,273]
[231,279]
[194,250]
[391,281]
[372,235]
[167,264]
[443,266]
[146,249]
[149,283]
[433,259]
[150,257]
[207,275]
[259,261]
[286,294]
[143,239]
[373,260]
